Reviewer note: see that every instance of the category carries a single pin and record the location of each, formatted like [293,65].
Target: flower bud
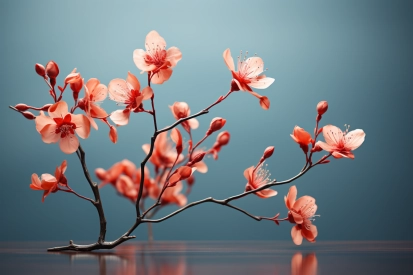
[22,107]
[46,107]
[28,115]
[216,125]
[52,70]
[322,107]
[197,158]
[301,136]
[40,70]
[268,152]
[72,77]
[113,134]
[223,138]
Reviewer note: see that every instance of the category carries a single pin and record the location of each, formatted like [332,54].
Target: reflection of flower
[341,144]
[301,213]
[306,266]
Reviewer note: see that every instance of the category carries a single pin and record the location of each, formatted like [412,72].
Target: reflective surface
[243,257]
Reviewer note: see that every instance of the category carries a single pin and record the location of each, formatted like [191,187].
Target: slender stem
[196,145]
[80,196]
[98,202]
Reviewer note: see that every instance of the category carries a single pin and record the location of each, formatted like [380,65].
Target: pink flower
[95,92]
[156,60]
[48,183]
[301,213]
[249,75]
[173,195]
[341,144]
[164,155]
[61,126]
[127,92]
[181,110]
[257,178]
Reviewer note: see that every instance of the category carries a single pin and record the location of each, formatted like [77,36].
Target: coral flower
[164,154]
[48,183]
[257,178]
[249,75]
[301,213]
[341,144]
[95,92]
[156,60]
[61,126]
[127,92]
[181,110]
[173,195]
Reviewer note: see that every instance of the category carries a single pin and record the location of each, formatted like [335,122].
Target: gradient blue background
[357,55]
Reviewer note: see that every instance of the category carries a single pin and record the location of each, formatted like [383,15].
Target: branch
[90,247]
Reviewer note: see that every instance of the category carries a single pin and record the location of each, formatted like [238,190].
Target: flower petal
[229,61]
[266,193]
[193,123]
[133,81]
[139,59]
[354,139]
[120,117]
[59,109]
[325,146]
[48,134]
[173,55]
[254,66]
[332,135]
[69,144]
[261,83]
[154,40]
[147,93]
[291,197]
[201,167]
[91,84]
[99,93]
[42,120]
[35,185]
[119,90]
[82,125]
[161,76]
[296,235]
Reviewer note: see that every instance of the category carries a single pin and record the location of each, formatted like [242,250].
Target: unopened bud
[40,70]
[28,115]
[197,158]
[223,138]
[52,70]
[22,107]
[46,107]
[322,107]
[216,125]
[71,78]
[113,134]
[268,152]
[325,161]
[76,86]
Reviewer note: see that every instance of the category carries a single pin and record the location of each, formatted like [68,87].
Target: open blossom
[127,92]
[156,59]
[164,154]
[257,178]
[48,183]
[181,110]
[61,126]
[95,92]
[249,75]
[302,211]
[341,144]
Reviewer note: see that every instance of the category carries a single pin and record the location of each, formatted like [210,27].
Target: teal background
[357,55]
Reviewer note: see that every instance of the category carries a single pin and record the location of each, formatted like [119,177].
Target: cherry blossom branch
[153,138]
[98,202]
[80,196]
[226,201]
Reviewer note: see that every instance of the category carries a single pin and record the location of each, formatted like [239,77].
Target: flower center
[155,55]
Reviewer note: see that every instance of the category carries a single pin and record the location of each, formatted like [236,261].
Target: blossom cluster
[175,159]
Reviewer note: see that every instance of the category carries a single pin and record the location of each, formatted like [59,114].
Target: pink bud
[197,158]
[52,70]
[46,107]
[113,134]
[40,70]
[223,138]
[322,107]
[268,152]
[22,107]
[216,125]
[28,115]
[76,86]
[73,77]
